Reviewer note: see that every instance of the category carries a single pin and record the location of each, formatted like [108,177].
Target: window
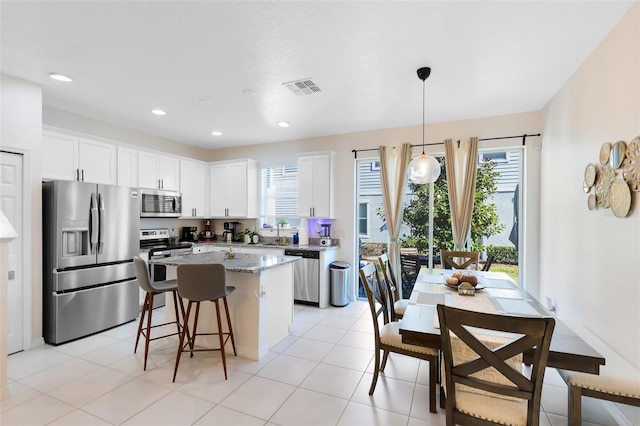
[499,157]
[279,194]
[363,219]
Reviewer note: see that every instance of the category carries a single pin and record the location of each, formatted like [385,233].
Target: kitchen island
[261,307]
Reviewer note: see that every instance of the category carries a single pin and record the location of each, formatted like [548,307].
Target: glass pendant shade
[424,169]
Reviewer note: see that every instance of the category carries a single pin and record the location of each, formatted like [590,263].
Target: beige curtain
[462,170]
[393,176]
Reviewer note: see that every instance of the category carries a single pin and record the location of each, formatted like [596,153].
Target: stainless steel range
[158,242]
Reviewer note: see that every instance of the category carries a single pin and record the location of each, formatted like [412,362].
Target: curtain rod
[524,138]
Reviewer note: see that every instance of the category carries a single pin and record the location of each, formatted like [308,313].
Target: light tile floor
[319,375]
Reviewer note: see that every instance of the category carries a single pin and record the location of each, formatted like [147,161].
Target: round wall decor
[605,151]
[620,198]
[631,165]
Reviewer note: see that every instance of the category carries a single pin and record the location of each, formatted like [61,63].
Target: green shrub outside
[503,254]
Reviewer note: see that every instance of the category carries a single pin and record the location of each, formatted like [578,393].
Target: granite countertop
[242,262]
[310,247]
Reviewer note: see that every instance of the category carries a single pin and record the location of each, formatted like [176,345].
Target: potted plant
[283,224]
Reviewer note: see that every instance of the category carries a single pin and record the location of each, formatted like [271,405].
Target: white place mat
[497,283]
[514,306]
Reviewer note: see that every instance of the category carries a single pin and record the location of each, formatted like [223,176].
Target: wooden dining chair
[483,371]
[399,305]
[459,259]
[387,332]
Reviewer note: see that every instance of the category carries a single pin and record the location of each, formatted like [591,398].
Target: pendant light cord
[423,112]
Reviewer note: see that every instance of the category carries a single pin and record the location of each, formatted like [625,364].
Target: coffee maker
[231,229]
[189,233]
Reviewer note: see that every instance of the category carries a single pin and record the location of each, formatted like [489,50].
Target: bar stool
[152,289]
[197,283]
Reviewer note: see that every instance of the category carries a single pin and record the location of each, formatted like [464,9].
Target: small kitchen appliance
[189,233]
[325,234]
[207,234]
[231,229]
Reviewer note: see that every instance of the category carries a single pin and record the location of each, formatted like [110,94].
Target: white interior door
[11,205]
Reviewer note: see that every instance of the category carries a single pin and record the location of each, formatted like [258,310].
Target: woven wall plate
[620,198]
[605,151]
[590,175]
[604,178]
[631,165]
[591,202]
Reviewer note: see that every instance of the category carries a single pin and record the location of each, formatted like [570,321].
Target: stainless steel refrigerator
[90,236]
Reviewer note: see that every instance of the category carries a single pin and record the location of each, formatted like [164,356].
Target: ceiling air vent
[302,87]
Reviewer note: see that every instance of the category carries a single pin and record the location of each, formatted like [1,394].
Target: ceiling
[221,65]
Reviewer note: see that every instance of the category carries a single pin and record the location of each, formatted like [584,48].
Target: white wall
[589,259]
[21,121]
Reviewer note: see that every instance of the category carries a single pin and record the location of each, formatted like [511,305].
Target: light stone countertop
[314,247]
[242,262]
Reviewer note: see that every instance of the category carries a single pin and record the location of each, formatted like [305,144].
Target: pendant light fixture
[424,168]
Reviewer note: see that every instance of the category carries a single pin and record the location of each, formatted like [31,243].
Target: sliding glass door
[495,225]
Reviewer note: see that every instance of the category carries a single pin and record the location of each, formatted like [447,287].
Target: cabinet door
[148,170]
[97,161]
[59,156]
[305,186]
[127,167]
[169,173]
[237,197]
[218,191]
[192,187]
[322,187]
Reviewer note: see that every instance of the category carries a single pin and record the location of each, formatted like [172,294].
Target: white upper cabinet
[234,189]
[193,182]
[68,157]
[59,156]
[127,167]
[158,171]
[316,180]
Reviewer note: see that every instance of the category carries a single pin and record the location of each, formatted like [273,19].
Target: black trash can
[339,279]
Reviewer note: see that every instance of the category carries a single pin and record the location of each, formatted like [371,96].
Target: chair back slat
[459,259]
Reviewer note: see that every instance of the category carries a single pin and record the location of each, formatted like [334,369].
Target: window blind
[279,192]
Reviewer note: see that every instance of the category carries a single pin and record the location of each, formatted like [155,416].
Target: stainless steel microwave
[160,203]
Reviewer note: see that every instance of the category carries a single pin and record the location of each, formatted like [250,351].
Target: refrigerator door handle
[93,220]
[101,219]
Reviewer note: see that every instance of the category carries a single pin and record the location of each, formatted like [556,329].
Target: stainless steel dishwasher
[306,276]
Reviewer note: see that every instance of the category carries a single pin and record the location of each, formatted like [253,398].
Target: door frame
[27,246]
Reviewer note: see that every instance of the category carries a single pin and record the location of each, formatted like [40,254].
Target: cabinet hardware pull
[77,174]
[83,175]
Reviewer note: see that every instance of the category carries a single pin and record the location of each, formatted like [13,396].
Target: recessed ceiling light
[283,123]
[216,133]
[205,101]
[60,77]
[249,92]
[158,112]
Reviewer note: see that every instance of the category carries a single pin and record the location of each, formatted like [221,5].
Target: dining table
[495,293]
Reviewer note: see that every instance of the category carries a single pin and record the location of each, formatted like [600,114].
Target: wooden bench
[618,381]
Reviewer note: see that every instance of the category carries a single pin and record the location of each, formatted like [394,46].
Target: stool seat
[151,289]
[199,283]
